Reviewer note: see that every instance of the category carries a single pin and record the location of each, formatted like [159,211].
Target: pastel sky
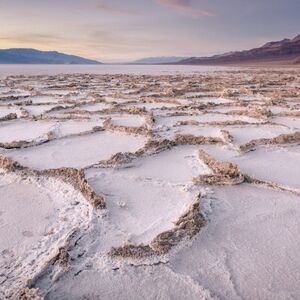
[122,30]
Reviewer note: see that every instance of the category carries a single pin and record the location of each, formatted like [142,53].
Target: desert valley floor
[179,185]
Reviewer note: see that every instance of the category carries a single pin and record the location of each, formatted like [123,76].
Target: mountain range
[286,51]
[32,56]
[159,60]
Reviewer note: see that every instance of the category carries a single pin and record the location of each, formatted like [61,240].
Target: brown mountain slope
[286,51]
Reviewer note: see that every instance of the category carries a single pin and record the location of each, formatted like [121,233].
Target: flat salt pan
[290,122]
[225,110]
[132,283]
[36,217]
[44,99]
[250,98]
[96,106]
[178,165]
[249,249]
[77,152]
[172,120]
[128,120]
[54,92]
[155,105]
[276,109]
[141,208]
[224,118]
[38,109]
[19,130]
[75,127]
[26,216]
[220,152]
[196,130]
[242,135]
[4,111]
[280,165]
[212,100]
[117,100]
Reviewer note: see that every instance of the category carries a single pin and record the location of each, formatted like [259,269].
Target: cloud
[30,38]
[185,8]
[111,9]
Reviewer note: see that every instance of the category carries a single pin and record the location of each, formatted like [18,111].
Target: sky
[125,30]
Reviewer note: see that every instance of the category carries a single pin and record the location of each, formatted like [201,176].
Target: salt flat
[251,242]
[23,130]
[155,182]
[77,151]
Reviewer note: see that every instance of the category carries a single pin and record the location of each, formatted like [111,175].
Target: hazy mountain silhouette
[159,60]
[33,56]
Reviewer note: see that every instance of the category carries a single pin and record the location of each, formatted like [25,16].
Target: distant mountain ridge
[159,60]
[284,51]
[33,56]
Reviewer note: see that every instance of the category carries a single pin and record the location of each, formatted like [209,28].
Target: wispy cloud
[112,9]
[30,38]
[184,7]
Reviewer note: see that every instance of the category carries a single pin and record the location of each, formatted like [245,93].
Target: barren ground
[160,186]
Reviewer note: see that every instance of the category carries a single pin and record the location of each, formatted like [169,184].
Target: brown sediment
[119,158]
[16,144]
[149,120]
[24,112]
[187,226]
[157,145]
[289,114]
[97,98]
[270,185]
[155,100]
[258,113]
[233,123]
[8,164]
[145,129]
[189,122]
[74,177]
[132,110]
[25,144]
[11,116]
[224,173]
[229,93]
[152,146]
[180,113]
[61,117]
[75,112]
[25,102]
[189,139]
[49,137]
[29,294]
[77,179]
[132,251]
[281,139]
[194,107]
[63,258]
[141,130]
[27,88]
[60,108]
[228,138]
[215,123]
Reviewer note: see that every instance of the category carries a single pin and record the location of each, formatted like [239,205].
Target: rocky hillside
[285,51]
